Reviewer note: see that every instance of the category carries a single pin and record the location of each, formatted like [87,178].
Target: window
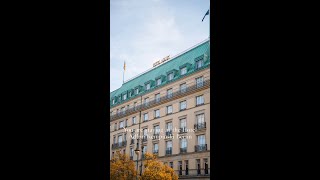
[111,113]
[148,86]
[155,148]
[124,96]
[169,147]
[126,124]
[118,112]
[131,152]
[206,166]
[171,164]
[144,149]
[157,130]
[134,120]
[114,139]
[146,101]
[124,151]
[169,93]
[115,126]
[183,71]
[137,91]
[145,117]
[183,105]
[198,167]
[169,109]
[199,64]
[183,144]
[121,125]
[128,106]
[183,125]
[183,87]
[145,134]
[158,81]
[187,166]
[201,140]
[157,113]
[180,167]
[199,82]
[169,129]
[120,139]
[123,110]
[135,105]
[112,154]
[199,100]
[170,76]
[157,97]
[200,118]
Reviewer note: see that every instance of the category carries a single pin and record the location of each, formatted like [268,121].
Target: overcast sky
[144,31]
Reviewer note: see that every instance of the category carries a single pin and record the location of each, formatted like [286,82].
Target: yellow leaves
[156,170]
[122,168]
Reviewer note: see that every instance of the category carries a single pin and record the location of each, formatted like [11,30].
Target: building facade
[166,111]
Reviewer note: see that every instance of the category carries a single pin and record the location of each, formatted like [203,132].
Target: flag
[205,15]
[124,66]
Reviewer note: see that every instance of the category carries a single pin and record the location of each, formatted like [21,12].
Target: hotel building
[170,103]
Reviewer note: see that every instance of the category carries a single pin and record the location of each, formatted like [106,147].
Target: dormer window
[158,81]
[183,71]
[199,63]
[170,76]
[113,101]
[124,96]
[148,86]
[137,91]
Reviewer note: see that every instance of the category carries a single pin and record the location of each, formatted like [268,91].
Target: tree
[122,168]
[156,170]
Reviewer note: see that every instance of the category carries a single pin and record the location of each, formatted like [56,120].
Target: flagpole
[123,77]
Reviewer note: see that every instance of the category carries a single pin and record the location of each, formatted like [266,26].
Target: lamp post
[141,160]
[137,151]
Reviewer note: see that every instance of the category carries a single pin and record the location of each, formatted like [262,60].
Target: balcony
[169,133]
[144,139]
[183,150]
[175,95]
[119,145]
[182,130]
[155,136]
[201,147]
[200,126]
[169,151]
[155,151]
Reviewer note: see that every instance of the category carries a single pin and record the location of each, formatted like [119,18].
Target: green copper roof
[201,50]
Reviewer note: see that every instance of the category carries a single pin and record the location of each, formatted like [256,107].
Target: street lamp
[137,151]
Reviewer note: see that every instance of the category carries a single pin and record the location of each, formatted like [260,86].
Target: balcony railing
[168,133]
[155,151]
[163,99]
[168,151]
[183,150]
[200,126]
[183,130]
[119,145]
[201,147]
[144,138]
[155,136]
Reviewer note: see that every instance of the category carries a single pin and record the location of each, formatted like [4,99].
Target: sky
[144,31]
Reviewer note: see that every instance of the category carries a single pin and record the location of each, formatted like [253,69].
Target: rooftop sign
[161,61]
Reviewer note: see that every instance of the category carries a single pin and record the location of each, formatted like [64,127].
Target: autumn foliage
[122,168]
[156,170]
